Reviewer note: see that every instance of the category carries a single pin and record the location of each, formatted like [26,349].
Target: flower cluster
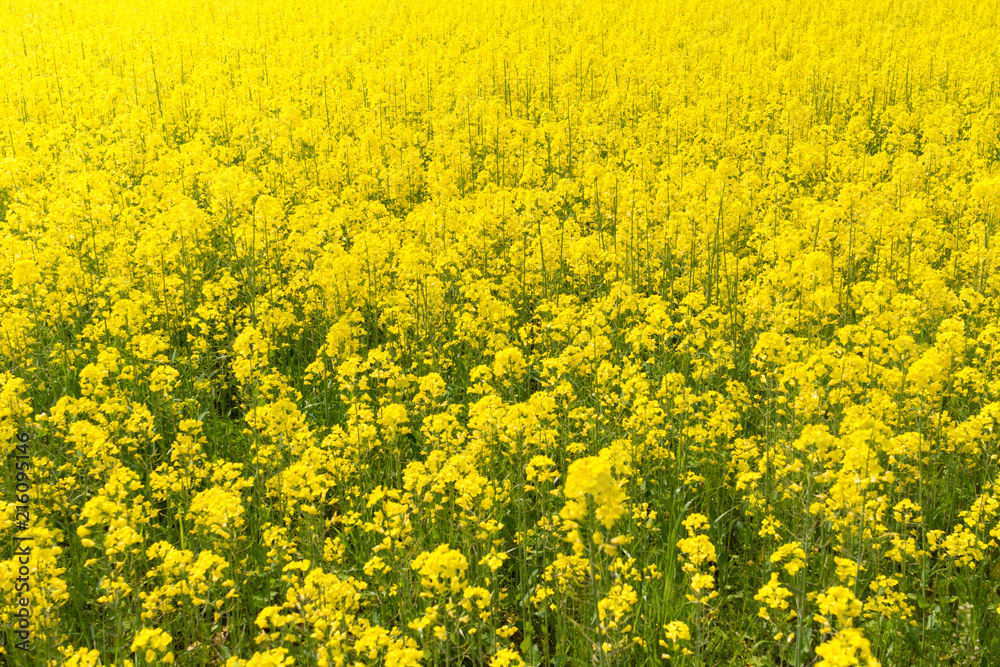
[699,556]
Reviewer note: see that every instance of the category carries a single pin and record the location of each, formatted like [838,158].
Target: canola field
[500,333]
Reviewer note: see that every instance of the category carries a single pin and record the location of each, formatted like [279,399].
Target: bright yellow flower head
[441,570]
[845,649]
[591,476]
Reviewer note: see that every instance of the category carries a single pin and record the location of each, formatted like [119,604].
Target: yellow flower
[441,570]
[838,601]
[676,632]
[153,642]
[847,570]
[591,476]
[81,657]
[699,555]
[793,553]
[217,512]
[277,657]
[25,274]
[509,362]
[847,647]
[506,657]
[773,596]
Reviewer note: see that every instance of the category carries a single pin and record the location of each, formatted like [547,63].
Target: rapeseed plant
[499,333]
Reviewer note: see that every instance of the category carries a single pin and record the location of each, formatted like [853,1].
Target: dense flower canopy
[512,332]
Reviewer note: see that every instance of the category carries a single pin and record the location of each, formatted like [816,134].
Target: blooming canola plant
[611,332]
